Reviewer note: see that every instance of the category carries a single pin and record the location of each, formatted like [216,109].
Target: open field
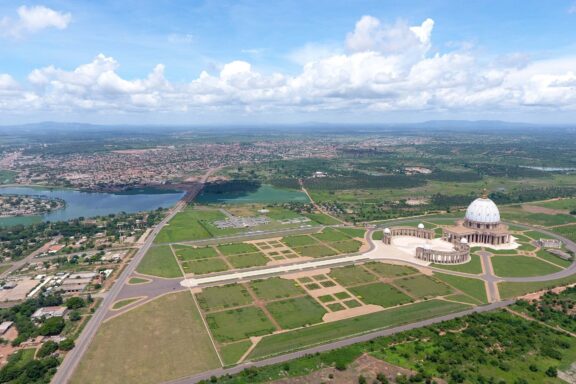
[352,275]
[159,261]
[380,294]
[276,288]
[390,270]
[510,290]
[564,204]
[318,334]
[122,303]
[423,286]
[516,213]
[156,350]
[232,352]
[238,324]
[222,297]
[296,312]
[472,287]
[568,231]
[519,266]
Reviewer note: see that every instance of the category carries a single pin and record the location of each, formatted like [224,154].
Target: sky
[287,61]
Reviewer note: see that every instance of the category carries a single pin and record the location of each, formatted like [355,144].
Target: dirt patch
[352,312]
[539,294]
[365,365]
[544,210]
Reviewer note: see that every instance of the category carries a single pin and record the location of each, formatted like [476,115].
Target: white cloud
[34,19]
[386,69]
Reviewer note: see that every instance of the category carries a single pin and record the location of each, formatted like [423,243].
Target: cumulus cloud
[33,19]
[383,68]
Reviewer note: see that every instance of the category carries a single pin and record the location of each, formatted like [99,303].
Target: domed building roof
[483,210]
[420,226]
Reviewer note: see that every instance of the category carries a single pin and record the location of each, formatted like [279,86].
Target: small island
[28,205]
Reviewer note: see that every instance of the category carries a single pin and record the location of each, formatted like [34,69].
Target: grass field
[380,294]
[138,280]
[390,270]
[238,324]
[222,297]
[232,352]
[509,290]
[423,286]
[158,349]
[568,231]
[7,177]
[298,240]
[159,261]
[322,219]
[276,288]
[544,254]
[473,287]
[330,234]
[248,260]
[186,253]
[519,266]
[201,267]
[122,303]
[473,266]
[351,275]
[237,249]
[512,213]
[187,225]
[4,267]
[315,251]
[349,246]
[323,333]
[567,204]
[296,312]
[353,232]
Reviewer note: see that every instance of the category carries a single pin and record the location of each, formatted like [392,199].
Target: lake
[266,194]
[90,204]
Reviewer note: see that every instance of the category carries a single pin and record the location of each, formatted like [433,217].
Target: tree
[75,315]
[551,372]
[75,302]
[52,326]
[66,345]
[47,348]
[361,380]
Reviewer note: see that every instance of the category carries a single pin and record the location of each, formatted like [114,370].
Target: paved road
[337,344]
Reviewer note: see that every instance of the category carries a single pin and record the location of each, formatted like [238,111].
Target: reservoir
[90,204]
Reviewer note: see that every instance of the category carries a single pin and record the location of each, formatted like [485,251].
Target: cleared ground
[156,342]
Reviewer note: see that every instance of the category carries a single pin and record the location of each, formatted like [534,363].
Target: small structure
[48,312]
[5,326]
[419,232]
[550,243]
[460,254]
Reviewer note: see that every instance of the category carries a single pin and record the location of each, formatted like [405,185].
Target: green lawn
[7,177]
[351,275]
[315,251]
[544,254]
[536,235]
[519,266]
[349,246]
[324,333]
[353,232]
[149,344]
[138,280]
[276,288]
[473,287]
[188,225]
[201,267]
[225,296]
[519,215]
[423,286]
[159,261]
[473,266]
[377,235]
[330,234]
[390,270]
[190,253]
[380,294]
[238,324]
[237,248]
[322,219]
[248,260]
[509,290]
[296,312]
[232,352]
[567,204]
[298,240]
[568,231]
[122,303]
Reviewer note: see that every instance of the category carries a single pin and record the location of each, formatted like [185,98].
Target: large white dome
[483,210]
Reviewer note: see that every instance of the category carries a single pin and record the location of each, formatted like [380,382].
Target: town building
[48,312]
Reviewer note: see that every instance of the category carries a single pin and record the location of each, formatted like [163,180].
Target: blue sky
[192,62]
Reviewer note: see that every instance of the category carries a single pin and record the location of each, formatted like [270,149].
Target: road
[337,344]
